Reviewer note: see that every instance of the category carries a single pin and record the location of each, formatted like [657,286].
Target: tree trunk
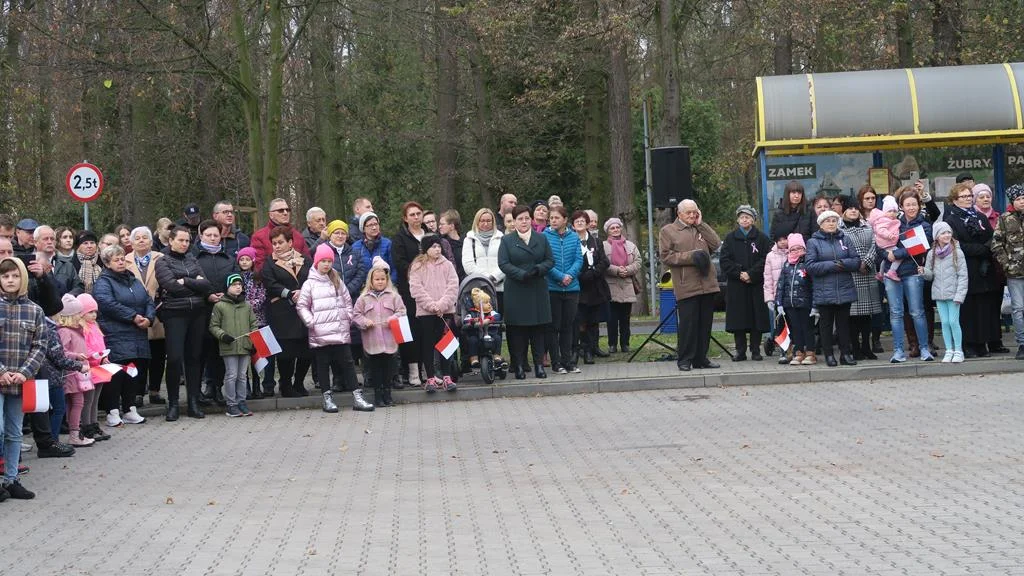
[481,127]
[904,35]
[947,31]
[275,93]
[621,131]
[9,67]
[597,188]
[250,105]
[668,64]
[447,103]
[783,52]
[327,126]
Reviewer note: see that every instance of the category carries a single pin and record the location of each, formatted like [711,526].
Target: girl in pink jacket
[76,384]
[325,307]
[98,352]
[378,304]
[434,284]
[773,264]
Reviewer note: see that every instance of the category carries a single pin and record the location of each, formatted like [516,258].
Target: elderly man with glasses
[279,215]
[232,239]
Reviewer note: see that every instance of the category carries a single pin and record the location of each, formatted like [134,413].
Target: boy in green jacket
[231,322]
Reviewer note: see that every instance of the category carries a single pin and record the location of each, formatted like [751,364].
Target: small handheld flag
[35,396]
[448,344]
[915,241]
[783,338]
[265,345]
[400,329]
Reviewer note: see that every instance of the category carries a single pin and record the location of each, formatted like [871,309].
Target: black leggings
[521,336]
[860,333]
[336,358]
[157,362]
[377,372]
[800,334]
[618,323]
[432,328]
[834,317]
[293,362]
[122,389]
[185,334]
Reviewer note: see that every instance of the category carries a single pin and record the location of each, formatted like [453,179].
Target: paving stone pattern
[917,476]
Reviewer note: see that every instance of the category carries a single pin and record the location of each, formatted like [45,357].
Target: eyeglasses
[282,210]
[965,197]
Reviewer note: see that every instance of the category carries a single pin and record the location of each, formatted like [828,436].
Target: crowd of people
[829,268]
[185,303]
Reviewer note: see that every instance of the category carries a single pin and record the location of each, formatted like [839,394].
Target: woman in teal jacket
[563,289]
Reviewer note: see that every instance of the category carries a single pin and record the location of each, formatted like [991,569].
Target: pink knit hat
[794,240]
[323,252]
[88,303]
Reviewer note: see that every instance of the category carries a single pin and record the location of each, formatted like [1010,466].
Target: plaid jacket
[22,339]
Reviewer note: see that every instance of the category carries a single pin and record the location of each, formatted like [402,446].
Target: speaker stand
[651,338]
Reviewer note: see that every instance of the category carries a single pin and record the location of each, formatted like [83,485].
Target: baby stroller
[481,325]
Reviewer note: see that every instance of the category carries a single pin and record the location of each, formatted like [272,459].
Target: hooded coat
[233,316]
[378,308]
[22,333]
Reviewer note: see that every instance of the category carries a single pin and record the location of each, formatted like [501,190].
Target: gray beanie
[748,210]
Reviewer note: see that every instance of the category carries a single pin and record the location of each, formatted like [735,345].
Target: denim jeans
[911,291]
[1016,286]
[10,408]
[58,407]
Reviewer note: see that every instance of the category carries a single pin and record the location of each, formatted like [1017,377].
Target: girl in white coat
[946,268]
[325,307]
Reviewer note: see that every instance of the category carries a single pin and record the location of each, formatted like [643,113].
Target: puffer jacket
[121,297]
[568,259]
[483,261]
[325,310]
[379,308]
[233,316]
[773,264]
[1008,244]
[367,250]
[948,275]
[908,264]
[174,296]
[794,288]
[434,285]
[217,266]
[73,341]
[830,260]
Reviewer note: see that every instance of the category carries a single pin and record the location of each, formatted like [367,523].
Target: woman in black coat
[742,261]
[405,246]
[282,279]
[217,265]
[525,257]
[594,291]
[793,215]
[182,308]
[974,233]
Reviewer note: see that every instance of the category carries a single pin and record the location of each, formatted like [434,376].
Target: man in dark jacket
[232,239]
[359,207]
[190,219]
[316,221]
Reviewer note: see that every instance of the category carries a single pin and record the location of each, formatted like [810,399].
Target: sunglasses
[282,210]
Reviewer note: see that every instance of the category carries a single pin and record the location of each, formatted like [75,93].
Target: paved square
[922,476]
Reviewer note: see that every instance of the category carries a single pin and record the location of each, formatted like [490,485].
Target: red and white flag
[448,344]
[35,396]
[915,241]
[265,344]
[400,329]
[783,338]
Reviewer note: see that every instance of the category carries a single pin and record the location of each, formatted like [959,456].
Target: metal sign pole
[650,203]
[85,214]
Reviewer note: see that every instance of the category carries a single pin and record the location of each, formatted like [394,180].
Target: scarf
[90,270]
[211,248]
[943,251]
[370,244]
[485,237]
[143,262]
[794,257]
[525,237]
[970,217]
[619,256]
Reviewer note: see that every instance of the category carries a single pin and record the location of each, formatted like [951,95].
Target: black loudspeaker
[673,180]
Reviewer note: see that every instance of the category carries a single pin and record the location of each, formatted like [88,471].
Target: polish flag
[101,374]
[35,396]
[448,344]
[265,343]
[783,338]
[400,329]
[915,241]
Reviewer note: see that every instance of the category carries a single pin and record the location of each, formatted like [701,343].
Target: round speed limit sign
[85,182]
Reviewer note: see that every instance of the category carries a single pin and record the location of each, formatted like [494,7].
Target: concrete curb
[697,379]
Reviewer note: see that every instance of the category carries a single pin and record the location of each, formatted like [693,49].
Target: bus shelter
[835,132]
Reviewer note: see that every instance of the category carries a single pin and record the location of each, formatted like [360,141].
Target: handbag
[637,288]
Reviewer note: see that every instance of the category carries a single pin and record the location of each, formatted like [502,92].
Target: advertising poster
[829,175]
[941,166]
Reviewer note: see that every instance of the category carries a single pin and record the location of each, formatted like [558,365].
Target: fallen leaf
[211,503]
[307,435]
[624,491]
[745,446]
[860,440]
[108,83]
[344,447]
[367,431]
[311,551]
[745,393]
[169,500]
[938,455]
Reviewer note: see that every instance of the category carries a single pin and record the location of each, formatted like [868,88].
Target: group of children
[329,312]
[945,267]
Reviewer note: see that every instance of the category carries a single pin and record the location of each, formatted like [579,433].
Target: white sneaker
[26,447]
[948,357]
[114,419]
[414,375]
[133,417]
[958,357]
